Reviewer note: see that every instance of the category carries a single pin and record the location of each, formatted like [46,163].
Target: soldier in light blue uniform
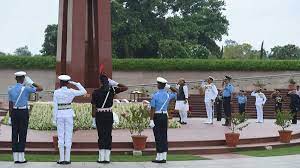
[159,118]
[18,111]
[228,90]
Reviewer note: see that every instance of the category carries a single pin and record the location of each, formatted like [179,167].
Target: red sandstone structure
[84,40]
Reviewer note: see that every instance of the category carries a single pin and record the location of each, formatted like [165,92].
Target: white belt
[161,112]
[104,109]
[20,108]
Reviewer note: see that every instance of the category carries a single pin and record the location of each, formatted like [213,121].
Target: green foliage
[137,119]
[283,119]
[50,42]
[2,53]
[22,51]
[281,151]
[285,52]
[238,122]
[233,50]
[171,49]
[25,62]
[45,62]
[198,52]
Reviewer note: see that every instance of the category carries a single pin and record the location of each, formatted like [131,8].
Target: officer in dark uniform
[219,105]
[102,101]
[228,89]
[18,111]
[294,104]
[159,118]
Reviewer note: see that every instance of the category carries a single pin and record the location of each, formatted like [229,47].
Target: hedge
[40,62]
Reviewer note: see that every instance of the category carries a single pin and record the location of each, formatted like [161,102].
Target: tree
[2,53]
[50,43]
[139,25]
[289,51]
[22,51]
[233,50]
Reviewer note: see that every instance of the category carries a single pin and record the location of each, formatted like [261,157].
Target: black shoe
[179,121]
[60,162]
[159,161]
[106,162]
[67,162]
[225,125]
[102,162]
[23,162]
[184,123]
[17,162]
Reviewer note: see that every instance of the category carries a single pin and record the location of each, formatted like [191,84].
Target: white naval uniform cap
[161,80]
[20,73]
[64,78]
[212,78]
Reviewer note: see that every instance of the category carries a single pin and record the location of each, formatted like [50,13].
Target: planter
[285,136]
[139,142]
[232,139]
[55,142]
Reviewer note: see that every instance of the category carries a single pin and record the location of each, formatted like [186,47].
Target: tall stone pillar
[84,40]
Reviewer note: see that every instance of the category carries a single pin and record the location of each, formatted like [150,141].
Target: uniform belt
[20,108]
[161,112]
[104,109]
[65,106]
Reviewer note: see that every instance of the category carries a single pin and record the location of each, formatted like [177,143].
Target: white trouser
[65,132]
[260,113]
[209,110]
[183,115]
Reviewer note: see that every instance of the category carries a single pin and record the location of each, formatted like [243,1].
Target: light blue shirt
[159,98]
[241,99]
[228,90]
[14,92]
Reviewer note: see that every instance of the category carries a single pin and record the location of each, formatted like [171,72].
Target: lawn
[274,152]
[93,158]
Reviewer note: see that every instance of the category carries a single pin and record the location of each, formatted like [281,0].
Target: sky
[277,22]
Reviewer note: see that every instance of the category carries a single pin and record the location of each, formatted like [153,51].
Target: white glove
[116,119]
[54,122]
[28,81]
[167,86]
[152,125]
[9,121]
[112,82]
[94,123]
[73,83]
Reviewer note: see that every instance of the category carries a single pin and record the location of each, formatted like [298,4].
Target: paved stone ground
[292,161]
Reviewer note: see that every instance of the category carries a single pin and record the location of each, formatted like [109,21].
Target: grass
[93,158]
[274,152]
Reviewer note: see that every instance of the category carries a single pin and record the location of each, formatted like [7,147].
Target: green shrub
[47,62]
[171,49]
[198,51]
[284,119]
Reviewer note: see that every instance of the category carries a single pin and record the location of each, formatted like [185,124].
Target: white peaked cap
[20,73]
[64,78]
[210,77]
[161,80]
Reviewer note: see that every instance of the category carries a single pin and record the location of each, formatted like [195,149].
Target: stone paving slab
[291,161]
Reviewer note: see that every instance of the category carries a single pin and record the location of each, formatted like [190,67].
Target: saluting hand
[72,82]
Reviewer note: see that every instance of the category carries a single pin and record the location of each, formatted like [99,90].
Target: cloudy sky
[277,22]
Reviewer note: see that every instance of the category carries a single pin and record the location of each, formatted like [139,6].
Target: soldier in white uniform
[211,92]
[182,104]
[259,103]
[63,115]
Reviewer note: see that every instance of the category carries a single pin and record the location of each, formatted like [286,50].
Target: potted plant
[137,120]
[238,123]
[283,119]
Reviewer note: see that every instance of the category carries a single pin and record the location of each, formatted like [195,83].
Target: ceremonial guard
[242,100]
[182,104]
[159,118]
[102,102]
[19,115]
[228,90]
[259,103]
[211,93]
[63,115]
